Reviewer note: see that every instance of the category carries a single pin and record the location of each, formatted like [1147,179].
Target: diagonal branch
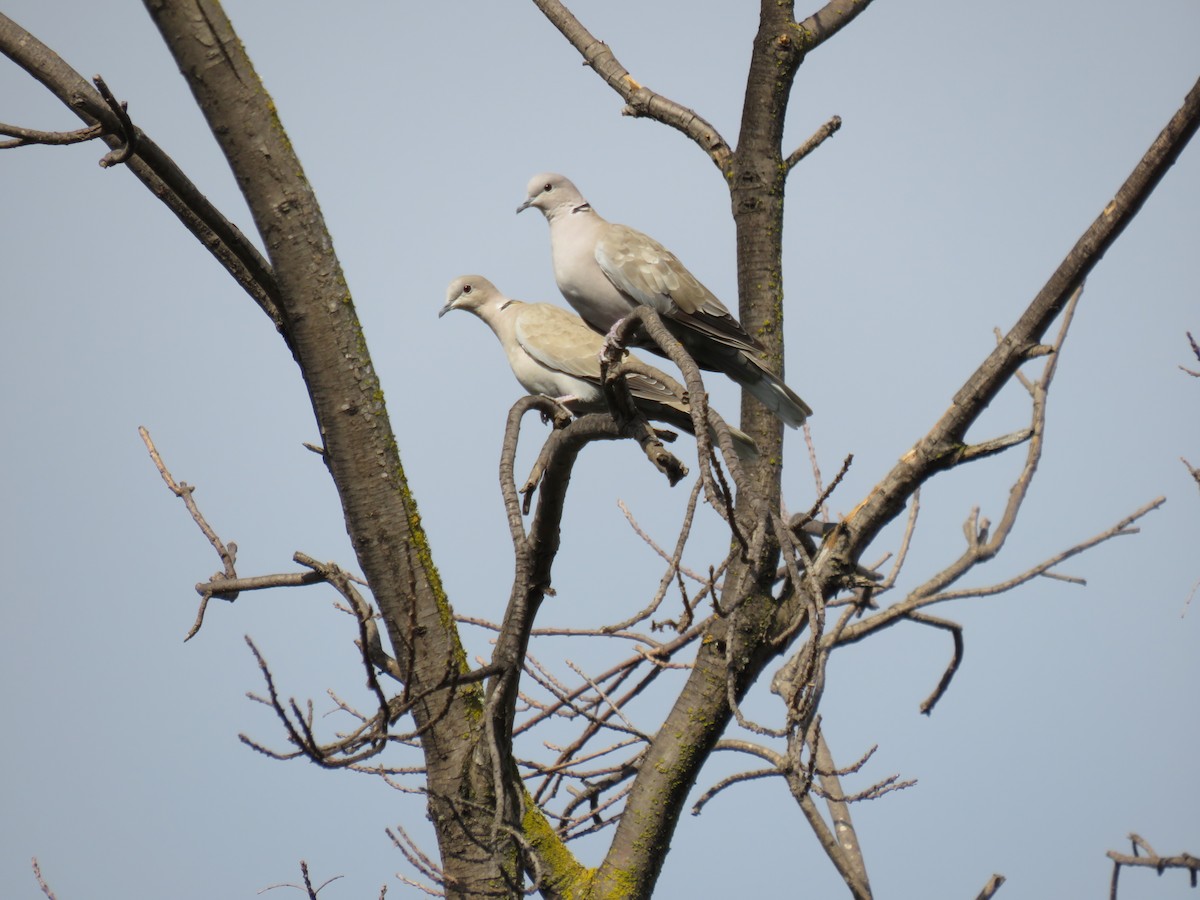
[829,20]
[993,884]
[1196,353]
[157,171]
[37,873]
[820,136]
[983,543]
[847,857]
[930,453]
[640,101]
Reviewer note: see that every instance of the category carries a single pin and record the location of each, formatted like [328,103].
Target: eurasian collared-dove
[605,270]
[552,352]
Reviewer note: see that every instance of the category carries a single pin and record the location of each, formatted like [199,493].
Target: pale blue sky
[978,142]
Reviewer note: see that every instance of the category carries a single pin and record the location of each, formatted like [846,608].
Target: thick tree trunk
[360,449]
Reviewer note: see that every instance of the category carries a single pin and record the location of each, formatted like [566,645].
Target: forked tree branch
[534,553]
[931,453]
[157,171]
[905,608]
[848,856]
[1151,860]
[307,886]
[646,318]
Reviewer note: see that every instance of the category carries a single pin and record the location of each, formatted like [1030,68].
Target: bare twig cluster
[812,578]
[586,777]
[421,862]
[373,732]
[984,540]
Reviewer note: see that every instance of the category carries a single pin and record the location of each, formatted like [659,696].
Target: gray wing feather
[560,341]
[651,275]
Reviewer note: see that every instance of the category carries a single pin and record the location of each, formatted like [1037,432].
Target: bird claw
[561,415]
[612,350]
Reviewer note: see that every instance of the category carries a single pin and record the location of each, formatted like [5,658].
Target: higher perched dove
[552,352]
[605,270]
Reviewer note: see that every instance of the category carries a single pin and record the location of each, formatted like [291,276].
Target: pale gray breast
[578,274]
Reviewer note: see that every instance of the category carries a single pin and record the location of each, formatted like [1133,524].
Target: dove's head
[475,294]
[552,194]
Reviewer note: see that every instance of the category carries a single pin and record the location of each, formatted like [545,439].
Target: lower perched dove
[605,270]
[552,352]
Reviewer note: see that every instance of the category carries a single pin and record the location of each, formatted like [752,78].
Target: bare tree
[791,591]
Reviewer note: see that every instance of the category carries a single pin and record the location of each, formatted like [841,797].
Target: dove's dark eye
[467,289]
[548,187]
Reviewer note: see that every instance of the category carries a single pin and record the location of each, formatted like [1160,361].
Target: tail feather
[749,372]
[768,388]
[776,396]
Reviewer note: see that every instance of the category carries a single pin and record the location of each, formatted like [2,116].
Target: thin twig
[819,137]
[307,887]
[668,557]
[26,136]
[37,873]
[905,542]
[729,781]
[956,633]
[1195,352]
[419,861]
[889,615]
